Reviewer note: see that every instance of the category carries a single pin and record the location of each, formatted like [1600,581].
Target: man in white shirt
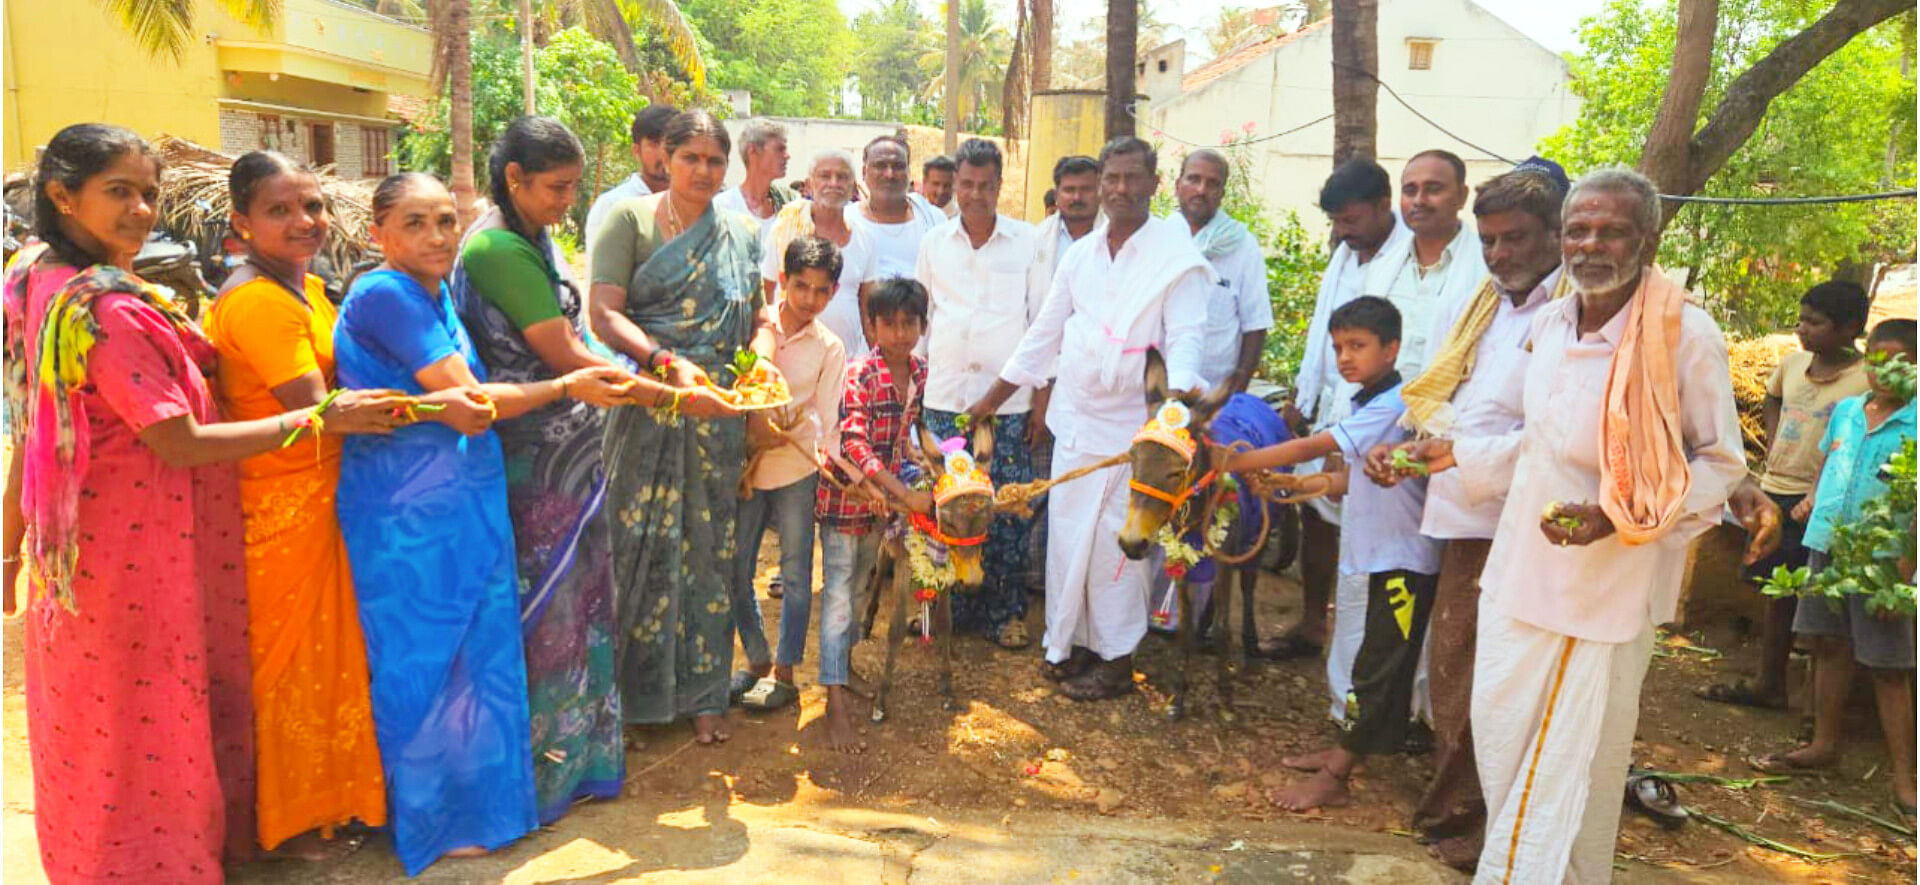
[983,291]
[1468,390]
[892,221]
[1076,190]
[937,182]
[1627,402]
[763,154]
[1239,313]
[650,155]
[1358,200]
[1137,284]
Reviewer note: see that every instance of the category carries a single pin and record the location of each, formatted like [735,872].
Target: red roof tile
[1238,58]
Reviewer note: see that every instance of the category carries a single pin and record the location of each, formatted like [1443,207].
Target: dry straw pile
[194,205]
[1753,361]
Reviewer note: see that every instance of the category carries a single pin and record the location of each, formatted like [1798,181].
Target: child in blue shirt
[1384,543]
[1862,434]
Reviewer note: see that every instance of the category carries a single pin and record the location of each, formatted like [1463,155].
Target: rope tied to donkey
[1017,498]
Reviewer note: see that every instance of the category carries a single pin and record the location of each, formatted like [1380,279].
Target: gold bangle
[563,386]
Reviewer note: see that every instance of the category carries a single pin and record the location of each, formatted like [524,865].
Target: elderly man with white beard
[1630,448]
[830,179]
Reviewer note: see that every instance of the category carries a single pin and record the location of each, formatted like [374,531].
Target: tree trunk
[460,105]
[951,89]
[1664,156]
[1013,90]
[526,53]
[1123,37]
[1042,31]
[1356,63]
[1686,169]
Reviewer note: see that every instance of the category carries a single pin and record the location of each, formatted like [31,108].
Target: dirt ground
[1017,751]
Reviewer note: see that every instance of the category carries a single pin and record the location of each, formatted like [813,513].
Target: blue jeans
[847,562]
[789,510]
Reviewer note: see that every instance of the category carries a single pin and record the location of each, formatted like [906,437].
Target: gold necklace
[675,225]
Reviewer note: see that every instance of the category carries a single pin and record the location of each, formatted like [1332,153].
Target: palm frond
[672,25]
[160,27]
[258,13]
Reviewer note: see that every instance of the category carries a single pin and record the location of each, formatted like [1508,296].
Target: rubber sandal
[1012,636]
[1288,647]
[1740,694]
[776,587]
[769,694]
[1654,797]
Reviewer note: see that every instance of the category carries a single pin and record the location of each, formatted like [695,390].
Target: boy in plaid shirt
[878,411]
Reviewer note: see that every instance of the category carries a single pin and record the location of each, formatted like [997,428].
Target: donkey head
[1168,455]
[963,498]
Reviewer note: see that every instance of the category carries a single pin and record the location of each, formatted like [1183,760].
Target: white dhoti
[1553,723]
[1096,597]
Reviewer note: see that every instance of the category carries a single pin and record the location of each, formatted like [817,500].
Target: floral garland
[1181,556]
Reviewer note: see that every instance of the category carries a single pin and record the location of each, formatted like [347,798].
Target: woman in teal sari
[676,288]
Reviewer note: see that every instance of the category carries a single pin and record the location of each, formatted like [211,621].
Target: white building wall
[808,135]
[1488,83]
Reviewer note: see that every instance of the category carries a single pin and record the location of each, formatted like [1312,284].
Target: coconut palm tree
[613,22]
[166,27]
[1123,33]
[985,50]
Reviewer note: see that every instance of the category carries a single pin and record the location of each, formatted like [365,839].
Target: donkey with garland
[929,559]
[1210,526]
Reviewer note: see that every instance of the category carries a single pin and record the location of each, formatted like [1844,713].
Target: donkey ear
[1156,378]
[1209,403]
[930,447]
[983,442]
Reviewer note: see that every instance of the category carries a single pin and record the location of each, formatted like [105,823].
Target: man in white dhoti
[1630,449]
[1137,283]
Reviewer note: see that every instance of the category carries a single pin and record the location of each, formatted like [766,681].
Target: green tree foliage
[1296,258]
[792,55]
[889,42]
[1846,127]
[581,82]
[985,51]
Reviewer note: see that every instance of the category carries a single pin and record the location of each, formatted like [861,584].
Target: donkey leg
[1224,580]
[945,638]
[895,632]
[1189,627]
[1249,577]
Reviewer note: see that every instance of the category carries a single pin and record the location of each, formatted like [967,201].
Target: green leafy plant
[1871,556]
[1403,461]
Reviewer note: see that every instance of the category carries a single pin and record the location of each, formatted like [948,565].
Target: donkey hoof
[1228,716]
[950,705]
[1176,711]
[878,715]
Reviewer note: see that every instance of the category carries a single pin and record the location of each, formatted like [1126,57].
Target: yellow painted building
[315,85]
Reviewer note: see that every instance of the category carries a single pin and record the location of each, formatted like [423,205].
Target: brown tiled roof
[409,108]
[1233,61]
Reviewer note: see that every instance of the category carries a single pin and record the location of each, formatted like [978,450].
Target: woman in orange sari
[318,763]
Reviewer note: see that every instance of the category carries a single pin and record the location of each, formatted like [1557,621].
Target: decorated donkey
[1206,524]
[931,558]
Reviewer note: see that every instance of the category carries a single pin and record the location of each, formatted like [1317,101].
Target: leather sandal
[1102,681]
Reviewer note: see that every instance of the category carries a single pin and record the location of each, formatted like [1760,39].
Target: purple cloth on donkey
[1245,418]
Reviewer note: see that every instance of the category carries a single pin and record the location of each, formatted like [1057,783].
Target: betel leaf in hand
[743,362]
[1405,463]
[1566,521]
[962,421]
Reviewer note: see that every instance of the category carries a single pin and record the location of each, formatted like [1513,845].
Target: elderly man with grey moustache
[1630,448]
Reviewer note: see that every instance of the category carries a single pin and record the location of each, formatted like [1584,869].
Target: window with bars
[269,132]
[373,152]
[1420,55]
[320,144]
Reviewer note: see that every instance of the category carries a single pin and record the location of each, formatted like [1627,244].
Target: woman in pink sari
[137,685]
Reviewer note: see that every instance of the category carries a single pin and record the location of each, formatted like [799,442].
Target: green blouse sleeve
[503,268]
[624,243]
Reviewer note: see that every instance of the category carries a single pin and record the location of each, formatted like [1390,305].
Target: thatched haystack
[1753,361]
[194,205]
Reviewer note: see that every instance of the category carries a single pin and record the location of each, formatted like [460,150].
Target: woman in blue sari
[676,288]
[425,520]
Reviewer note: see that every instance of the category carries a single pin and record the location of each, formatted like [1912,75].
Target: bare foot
[635,738]
[1460,852]
[1807,757]
[1329,757]
[1320,789]
[843,733]
[467,851]
[710,729]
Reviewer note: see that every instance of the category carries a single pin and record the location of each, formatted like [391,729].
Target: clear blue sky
[1551,23]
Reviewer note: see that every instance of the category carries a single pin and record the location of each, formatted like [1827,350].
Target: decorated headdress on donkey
[1169,454]
[962,499]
